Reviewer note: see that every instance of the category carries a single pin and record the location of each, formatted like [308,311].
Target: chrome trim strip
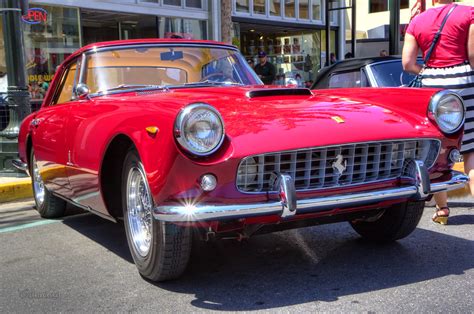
[20,165]
[183,213]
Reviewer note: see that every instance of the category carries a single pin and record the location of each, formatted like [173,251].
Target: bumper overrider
[288,205]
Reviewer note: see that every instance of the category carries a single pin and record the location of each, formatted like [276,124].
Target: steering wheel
[402,75]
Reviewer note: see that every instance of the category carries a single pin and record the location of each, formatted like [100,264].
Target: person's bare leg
[442,209]
[469,169]
[441,200]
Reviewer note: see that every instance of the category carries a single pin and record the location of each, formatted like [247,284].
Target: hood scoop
[267,92]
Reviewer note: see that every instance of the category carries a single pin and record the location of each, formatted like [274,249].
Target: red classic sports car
[180,137]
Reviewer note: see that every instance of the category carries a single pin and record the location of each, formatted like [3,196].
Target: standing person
[450,66]
[264,69]
[332,58]
[251,63]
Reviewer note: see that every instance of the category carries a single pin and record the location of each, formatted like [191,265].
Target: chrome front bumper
[288,205]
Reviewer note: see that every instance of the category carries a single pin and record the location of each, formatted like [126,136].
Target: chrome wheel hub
[139,211]
[38,185]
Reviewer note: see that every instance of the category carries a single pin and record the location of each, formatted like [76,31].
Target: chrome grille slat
[318,168]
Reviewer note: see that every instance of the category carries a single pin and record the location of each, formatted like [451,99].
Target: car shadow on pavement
[458,220]
[106,233]
[318,264]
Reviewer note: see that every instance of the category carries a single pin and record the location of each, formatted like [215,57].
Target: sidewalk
[12,189]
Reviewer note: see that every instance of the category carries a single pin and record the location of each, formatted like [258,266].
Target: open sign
[35,16]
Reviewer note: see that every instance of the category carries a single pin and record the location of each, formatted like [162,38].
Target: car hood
[329,117]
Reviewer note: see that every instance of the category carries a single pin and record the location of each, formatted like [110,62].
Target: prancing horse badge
[340,165]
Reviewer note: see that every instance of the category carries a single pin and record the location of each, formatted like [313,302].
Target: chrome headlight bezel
[181,125]
[439,99]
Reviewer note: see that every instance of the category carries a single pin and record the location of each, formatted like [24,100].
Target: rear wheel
[159,249]
[395,223]
[47,204]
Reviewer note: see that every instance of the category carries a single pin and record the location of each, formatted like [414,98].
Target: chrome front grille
[335,166]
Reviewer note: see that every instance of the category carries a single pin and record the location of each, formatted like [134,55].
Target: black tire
[170,245]
[51,206]
[395,223]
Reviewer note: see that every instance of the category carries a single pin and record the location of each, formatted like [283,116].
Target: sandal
[441,218]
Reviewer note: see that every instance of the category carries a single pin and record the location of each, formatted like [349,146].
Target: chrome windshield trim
[152,45]
[202,212]
[94,50]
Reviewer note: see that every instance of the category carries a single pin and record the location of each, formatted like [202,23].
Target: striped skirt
[461,80]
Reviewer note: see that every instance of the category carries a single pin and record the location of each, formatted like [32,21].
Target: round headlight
[199,129]
[448,110]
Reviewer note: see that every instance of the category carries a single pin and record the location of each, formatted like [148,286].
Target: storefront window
[289,9]
[184,28]
[275,8]
[172,2]
[242,6]
[259,6]
[194,4]
[316,10]
[141,26]
[296,55]
[304,9]
[47,44]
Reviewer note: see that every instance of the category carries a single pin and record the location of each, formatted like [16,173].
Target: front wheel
[159,249]
[396,222]
[47,204]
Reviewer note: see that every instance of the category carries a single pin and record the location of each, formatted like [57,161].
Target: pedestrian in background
[264,69]
[383,53]
[251,63]
[450,66]
[332,58]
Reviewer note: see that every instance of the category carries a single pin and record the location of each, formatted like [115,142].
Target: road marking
[28,225]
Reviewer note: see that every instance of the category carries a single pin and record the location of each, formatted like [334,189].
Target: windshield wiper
[131,86]
[211,83]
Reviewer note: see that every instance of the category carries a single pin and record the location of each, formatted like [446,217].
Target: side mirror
[82,91]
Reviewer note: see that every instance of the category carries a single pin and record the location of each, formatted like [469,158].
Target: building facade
[53,29]
[292,33]
[373,19]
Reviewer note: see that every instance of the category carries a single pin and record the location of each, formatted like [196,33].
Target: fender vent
[279,92]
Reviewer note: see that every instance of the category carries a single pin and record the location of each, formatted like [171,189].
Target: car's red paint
[73,138]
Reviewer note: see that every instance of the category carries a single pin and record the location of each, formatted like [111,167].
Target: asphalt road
[81,264]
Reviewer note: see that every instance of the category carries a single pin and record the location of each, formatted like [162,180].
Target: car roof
[353,63]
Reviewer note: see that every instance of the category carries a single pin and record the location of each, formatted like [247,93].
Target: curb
[16,190]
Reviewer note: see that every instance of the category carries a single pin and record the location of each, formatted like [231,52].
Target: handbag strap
[437,35]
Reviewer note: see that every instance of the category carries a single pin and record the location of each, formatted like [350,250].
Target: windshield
[391,74]
[162,66]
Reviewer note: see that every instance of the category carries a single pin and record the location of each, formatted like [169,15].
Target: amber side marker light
[152,130]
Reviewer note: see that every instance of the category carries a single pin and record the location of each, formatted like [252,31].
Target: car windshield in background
[142,67]
[391,74]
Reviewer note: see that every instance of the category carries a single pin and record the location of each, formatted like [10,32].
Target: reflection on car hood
[326,118]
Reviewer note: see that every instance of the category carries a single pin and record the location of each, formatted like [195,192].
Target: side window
[66,87]
[344,80]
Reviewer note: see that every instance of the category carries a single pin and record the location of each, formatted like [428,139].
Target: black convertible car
[363,72]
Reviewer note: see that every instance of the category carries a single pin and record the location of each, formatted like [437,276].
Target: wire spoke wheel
[38,185]
[139,215]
